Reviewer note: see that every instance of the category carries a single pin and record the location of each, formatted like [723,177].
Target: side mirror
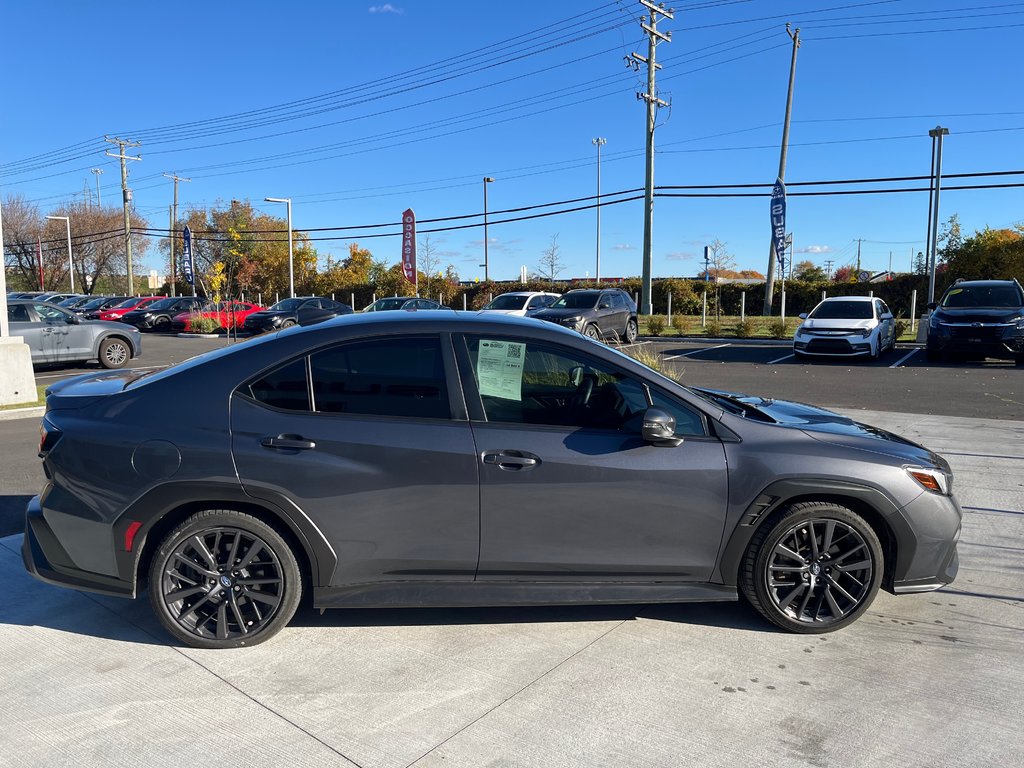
[933,305]
[803,315]
[72,320]
[887,316]
[659,428]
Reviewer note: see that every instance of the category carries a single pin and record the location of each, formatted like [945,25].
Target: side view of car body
[91,309]
[846,326]
[442,458]
[57,335]
[118,311]
[157,316]
[983,318]
[608,314]
[298,310]
[227,314]
[521,303]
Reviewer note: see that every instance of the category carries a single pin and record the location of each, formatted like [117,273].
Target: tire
[631,331]
[114,352]
[773,581]
[591,332]
[162,324]
[876,351]
[189,601]
[287,323]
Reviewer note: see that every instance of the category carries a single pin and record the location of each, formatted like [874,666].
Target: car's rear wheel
[114,353]
[814,568]
[224,579]
[631,331]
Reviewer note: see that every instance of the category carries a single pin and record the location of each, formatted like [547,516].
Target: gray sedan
[57,335]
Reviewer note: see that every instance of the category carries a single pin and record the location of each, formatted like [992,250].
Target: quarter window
[17,313]
[284,387]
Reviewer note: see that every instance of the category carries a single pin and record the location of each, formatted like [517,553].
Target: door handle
[288,443]
[511,461]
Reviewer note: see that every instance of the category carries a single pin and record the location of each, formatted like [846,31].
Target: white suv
[522,303]
[846,326]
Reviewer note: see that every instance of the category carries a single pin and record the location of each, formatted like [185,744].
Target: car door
[569,491]
[62,337]
[370,441]
[26,324]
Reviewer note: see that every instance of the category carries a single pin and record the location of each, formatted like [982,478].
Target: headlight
[574,320]
[1020,323]
[931,479]
[864,332]
[933,320]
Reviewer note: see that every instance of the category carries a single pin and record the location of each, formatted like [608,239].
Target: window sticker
[499,369]
[955,291]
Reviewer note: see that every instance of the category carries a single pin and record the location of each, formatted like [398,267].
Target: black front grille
[983,333]
[830,346]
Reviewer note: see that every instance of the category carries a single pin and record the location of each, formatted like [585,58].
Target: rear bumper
[47,560]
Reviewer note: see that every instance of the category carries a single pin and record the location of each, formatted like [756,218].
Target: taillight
[48,436]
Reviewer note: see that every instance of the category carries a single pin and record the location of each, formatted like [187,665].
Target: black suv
[983,318]
[157,316]
[606,314]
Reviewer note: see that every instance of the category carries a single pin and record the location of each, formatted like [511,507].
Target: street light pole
[291,260]
[71,263]
[487,264]
[598,142]
[936,133]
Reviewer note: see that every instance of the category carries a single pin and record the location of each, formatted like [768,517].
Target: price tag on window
[499,369]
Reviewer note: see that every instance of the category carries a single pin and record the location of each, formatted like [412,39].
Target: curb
[23,413]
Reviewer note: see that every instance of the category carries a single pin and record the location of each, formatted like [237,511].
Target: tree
[808,271]
[989,254]
[550,264]
[844,275]
[721,263]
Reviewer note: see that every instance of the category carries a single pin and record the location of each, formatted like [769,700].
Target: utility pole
[487,263]
[858,258]
[126,195]
[936,133]
[650,27]
[769,288]
[598,142]
[828,269]
[99,200]
[174,231]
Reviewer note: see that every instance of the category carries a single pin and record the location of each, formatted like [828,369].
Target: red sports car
[228,314]
[120,310]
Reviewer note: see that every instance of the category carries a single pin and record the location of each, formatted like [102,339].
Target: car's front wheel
[591,332]
[814,568]
[224,579]
[114,353]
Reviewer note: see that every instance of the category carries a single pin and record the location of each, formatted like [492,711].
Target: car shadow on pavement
[725,615]
[12,514]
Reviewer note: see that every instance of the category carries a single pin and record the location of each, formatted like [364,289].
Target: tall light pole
[291,261]
[71,263]
[598,142]
[97,172]
[487,264]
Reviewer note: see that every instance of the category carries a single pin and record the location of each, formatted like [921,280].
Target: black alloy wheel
[224,579]
[814,569]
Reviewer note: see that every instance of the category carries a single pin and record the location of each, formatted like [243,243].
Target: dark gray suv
[608,314]
[58,335]
[450,459]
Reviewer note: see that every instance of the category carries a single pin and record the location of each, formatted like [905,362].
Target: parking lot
[925,680]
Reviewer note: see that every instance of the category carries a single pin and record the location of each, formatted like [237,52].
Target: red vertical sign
[39,252]
[409,247]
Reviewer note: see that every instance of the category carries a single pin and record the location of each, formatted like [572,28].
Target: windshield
[843,310]
[95,304]
[508,301]
[387,304]
[286,305]
[128,303]
[70,302]
[580,300]
[162,304]
[993,296]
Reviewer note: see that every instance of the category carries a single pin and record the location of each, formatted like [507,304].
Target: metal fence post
[913,311]
[704,311]
[743,306]
[670,308]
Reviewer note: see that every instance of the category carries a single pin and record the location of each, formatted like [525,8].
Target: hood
[978,314]
[830,427]
[555,314]
[838,324]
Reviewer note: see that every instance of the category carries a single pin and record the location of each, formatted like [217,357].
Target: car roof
[983,283]
[527,293]
[849,298]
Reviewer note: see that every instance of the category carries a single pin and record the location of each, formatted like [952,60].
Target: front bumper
[982,341]
[933,561]
[47,560]
[832,346]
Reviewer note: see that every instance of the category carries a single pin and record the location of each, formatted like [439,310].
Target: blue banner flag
[779,217]
[187,265]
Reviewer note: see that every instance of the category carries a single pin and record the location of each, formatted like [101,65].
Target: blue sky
[413,102]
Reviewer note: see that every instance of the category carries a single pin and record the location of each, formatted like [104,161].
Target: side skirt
[446,594]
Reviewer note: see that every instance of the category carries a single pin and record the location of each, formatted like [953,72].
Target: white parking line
[694,352]
[779,360]
[906,357]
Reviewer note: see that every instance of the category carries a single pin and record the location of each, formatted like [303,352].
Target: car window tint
[284,387]
[527,383]
[47,312]
[383,377]
[17,313]
[617,301]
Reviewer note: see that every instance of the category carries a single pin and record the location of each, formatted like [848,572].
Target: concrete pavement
[925,680]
